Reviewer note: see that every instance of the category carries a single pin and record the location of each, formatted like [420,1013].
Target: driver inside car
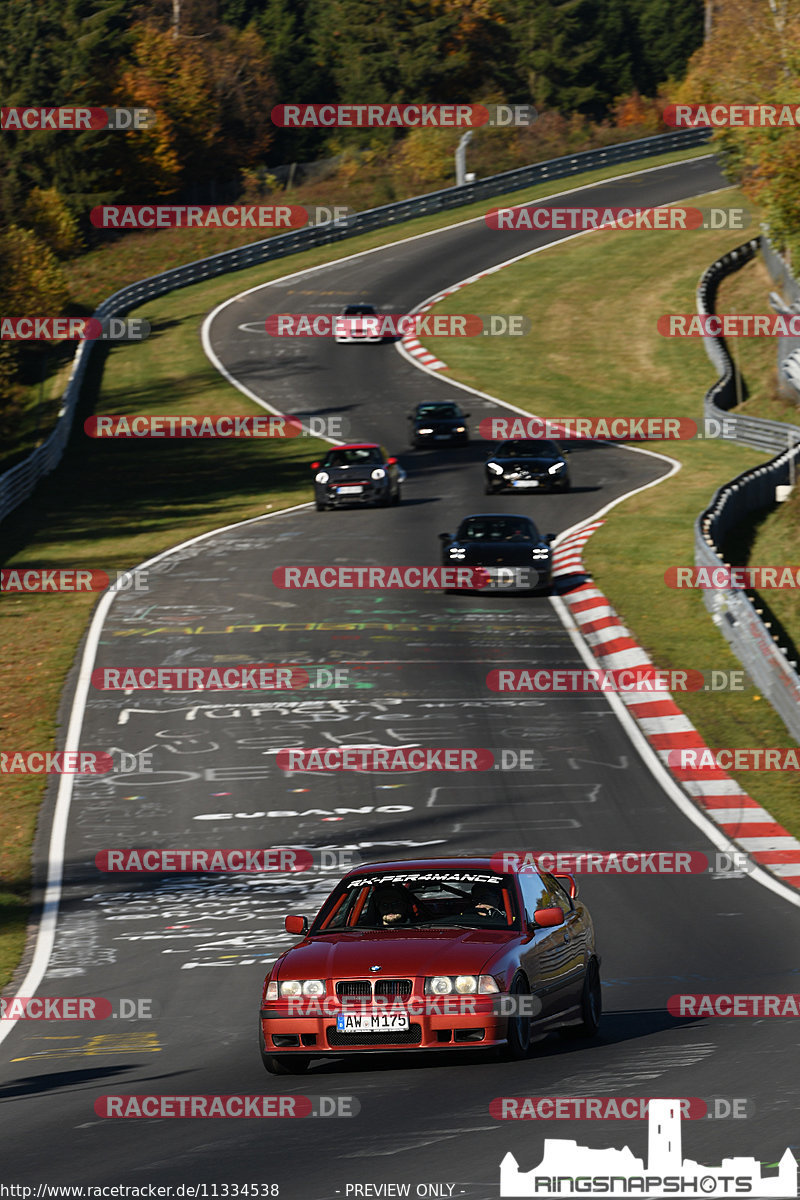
[488,900]
[393,906]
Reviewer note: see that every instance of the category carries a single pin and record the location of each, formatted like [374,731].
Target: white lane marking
[45,935]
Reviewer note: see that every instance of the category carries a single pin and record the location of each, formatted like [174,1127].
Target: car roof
[494,516]
[356,446]
[426,864]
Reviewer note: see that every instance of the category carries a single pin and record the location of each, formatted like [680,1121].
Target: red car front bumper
[434,1023]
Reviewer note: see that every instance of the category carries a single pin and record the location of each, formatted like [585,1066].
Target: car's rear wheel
[591,1004]
[519,1027]
[281,1064]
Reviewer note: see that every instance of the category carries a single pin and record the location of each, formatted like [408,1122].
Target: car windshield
[438,410]
[353,457]
[359,310]
[528,449]
[419,900]
[498,529]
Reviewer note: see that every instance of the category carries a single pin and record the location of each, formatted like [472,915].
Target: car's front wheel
[489,488]
[396,497]
[519,1025]
[321,506]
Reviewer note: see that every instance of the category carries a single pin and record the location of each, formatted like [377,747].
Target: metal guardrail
[732,610]
[18,483]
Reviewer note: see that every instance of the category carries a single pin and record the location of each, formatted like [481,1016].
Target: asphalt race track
[195,947]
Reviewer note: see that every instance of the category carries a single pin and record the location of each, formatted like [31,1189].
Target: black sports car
[438,421]
[515,556]
[520,463]
[356,474]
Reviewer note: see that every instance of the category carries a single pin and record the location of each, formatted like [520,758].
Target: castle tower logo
[568,1169]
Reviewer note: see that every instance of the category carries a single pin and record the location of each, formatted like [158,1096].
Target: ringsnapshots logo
[570,1170]
[76,119]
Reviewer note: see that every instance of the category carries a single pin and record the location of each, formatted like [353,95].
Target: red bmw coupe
[437,954]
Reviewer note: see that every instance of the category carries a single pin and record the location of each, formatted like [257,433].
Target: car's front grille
[400,1037]
[383,987]
[393,987]
[354,987]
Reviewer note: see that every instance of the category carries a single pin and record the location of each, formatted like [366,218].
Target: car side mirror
[315,466]
[569,882]
[296,924]
[545,918]
[391,462]
[564,450]
[466,414]
[444,537]
[549,537]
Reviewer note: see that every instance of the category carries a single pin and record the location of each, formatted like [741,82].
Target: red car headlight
[460,985]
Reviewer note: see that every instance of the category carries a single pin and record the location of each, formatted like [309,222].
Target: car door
[575,946]
[548,956]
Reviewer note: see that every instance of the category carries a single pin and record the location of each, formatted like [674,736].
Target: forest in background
[598,71]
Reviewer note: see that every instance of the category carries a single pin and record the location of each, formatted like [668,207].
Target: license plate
[526,483]
[441,437]
[371,1022]
[351,490]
